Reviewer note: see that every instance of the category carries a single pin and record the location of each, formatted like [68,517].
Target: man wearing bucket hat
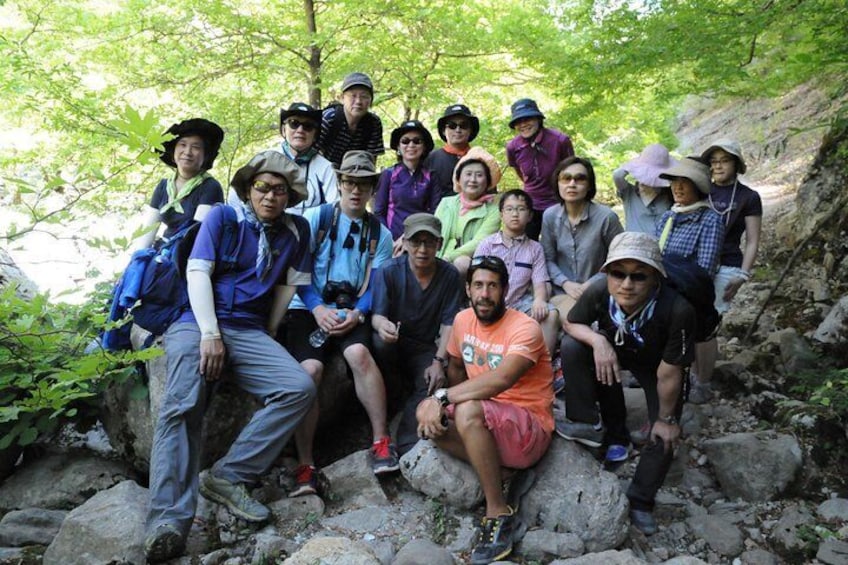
[649,198]
[741,211]
[350,125]
[349,246]
[643,326]
[416,297]
[229,323]
[458,127]
[534,154]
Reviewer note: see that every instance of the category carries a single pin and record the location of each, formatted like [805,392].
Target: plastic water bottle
[319,336]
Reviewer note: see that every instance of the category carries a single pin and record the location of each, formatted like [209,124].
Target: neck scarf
[299,158]
[174,195]
[632,324]
[678,209]
[267,232]
[451,150]
[465,205]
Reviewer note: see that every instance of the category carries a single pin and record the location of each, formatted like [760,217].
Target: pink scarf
[465,205]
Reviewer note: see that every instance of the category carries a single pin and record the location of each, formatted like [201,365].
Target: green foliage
[827,388]
[45,378]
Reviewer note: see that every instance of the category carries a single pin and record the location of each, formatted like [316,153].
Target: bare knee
[359,359]
[468,414]
[315,369]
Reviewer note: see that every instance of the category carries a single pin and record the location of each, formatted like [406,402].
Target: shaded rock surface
[32,526]
[333,551]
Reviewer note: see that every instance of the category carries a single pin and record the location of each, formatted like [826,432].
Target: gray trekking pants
[260,366]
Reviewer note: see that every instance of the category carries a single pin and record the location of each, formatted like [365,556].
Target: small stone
[833,552]
[834,509]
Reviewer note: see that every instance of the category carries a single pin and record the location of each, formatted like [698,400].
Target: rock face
[438,475]
[755,466]
[109,528]
[130,422]
[61,481]
[834,328]
[573,495]
[33,526]
[11,274]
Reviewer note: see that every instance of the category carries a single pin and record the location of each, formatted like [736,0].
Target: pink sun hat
[651,162]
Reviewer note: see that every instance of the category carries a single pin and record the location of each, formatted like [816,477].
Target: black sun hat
[412,125]
[210,132]
[458,110]
[300,109]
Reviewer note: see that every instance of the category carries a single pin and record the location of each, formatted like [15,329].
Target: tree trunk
[314,56]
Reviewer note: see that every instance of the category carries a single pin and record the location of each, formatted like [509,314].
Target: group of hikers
[428,275]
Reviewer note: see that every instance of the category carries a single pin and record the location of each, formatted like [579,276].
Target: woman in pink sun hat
[649,197]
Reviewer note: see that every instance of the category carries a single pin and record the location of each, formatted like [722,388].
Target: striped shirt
[696,235]
[524,259]
[336,139]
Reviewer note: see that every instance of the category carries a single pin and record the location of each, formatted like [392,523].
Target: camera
[341,292]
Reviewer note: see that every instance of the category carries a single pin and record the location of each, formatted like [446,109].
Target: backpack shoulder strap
[374,232]
[327,220]
[229,238]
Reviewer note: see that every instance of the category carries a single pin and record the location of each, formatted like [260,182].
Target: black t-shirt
[668,336]
[746,202]
[399,297]
[441,165]
[209,193]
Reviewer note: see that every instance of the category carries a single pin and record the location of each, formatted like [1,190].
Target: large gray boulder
[107,529]
[33,526]
[834,327]
[755,466]
[61,481]
[439,475]
[573,494]
[130,420]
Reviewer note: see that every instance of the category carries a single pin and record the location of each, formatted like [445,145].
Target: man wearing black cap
[457,127]
[349,126]
[534,154]
[416,297]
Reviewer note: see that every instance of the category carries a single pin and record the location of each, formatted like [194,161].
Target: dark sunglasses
[354,230]
[263,187]
[634,277]
[412,140]
[307,126]
[458,125]
[488,261]
[567,177]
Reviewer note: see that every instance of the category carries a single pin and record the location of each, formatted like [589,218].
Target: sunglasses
[354,230]
[568,177]
[634,277]
[488,261]
[412,140]
[307,126]
[458,125]
[263,187]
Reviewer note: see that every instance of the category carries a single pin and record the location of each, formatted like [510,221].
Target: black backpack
[695,284]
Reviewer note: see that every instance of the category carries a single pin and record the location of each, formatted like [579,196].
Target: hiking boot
[309,480]
[699,393]
[235,497]
[643,521]
[495,540]
[384,457]
[617,453]
[164,543]
[587,434]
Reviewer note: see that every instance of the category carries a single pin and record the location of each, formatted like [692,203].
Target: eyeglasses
[354,230]
[568,177]
[722,161]
[458,125]
[307,126]
[428,243]
[263,187]
[515,209]
[412,140]
[634,277]
[361,185]
[365,97]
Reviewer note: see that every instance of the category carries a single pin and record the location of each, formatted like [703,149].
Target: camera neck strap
[369,237]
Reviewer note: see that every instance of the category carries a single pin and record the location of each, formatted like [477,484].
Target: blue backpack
[153,289]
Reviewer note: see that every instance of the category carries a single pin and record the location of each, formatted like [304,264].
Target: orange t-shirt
[482,348]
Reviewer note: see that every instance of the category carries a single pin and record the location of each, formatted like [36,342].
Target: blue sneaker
[617,453]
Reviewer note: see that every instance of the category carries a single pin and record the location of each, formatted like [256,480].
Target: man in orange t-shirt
[500,398]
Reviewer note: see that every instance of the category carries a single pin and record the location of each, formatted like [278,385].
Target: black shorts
[301,323]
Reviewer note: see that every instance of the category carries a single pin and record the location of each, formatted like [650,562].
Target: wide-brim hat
[358,79]
[458,110]
[651,162]
[358,164]
[524,108]
[275,163]
[300,109]
[637,246]
[479,154]
[693,169]
[422,222]
[210,132]
[729,146]
[412,125]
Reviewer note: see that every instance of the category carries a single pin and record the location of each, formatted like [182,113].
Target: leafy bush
[45,376]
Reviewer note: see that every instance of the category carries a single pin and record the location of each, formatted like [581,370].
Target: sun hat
[358,79]
[729,146]
[478,154]
[210,132]
[300,109]
[270,162]
[646,168]
[458,110]
[637,246]
[358,164]
[422,222]
[412,125]
[693,169]
[524,108]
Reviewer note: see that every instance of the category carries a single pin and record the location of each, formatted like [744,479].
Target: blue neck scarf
[632,324]
[267,232]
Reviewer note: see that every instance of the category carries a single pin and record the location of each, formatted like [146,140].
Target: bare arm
[669,382]
[282,298]
[435,374]
[492,383]
[607,369]
[149,223]
[753,227]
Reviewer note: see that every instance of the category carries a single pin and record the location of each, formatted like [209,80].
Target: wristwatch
[442,361]
[441,395]
[670,420]
[361,318]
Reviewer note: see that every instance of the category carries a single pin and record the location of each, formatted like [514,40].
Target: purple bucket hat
[651,162]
